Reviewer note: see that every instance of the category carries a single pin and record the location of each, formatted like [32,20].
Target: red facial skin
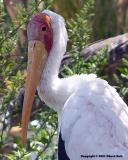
[39,28]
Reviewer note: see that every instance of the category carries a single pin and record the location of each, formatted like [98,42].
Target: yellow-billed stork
[93,119]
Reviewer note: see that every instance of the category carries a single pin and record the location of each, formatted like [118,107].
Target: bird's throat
[51,89]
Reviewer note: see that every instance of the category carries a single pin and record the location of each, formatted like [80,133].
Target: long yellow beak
[37,56]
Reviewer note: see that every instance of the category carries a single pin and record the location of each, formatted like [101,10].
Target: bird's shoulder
[95,102]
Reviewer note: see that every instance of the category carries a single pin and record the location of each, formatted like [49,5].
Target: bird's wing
[95,122]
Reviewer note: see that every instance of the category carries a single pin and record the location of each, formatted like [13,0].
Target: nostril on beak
[33,31]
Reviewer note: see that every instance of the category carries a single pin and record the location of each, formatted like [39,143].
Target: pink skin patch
[39,28]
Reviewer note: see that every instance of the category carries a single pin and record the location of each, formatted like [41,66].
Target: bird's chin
[37,56]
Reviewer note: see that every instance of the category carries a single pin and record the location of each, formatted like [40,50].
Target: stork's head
[40,40]
[39,29]
[41,44]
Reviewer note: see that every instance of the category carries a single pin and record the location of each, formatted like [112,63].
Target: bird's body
[93,119]
[94,122]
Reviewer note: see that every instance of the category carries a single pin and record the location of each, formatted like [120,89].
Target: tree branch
[112,43]
[118,47]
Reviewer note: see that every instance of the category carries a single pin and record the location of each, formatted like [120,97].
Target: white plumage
[95,122]
[93,119]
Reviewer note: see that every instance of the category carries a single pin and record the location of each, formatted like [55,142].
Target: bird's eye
[44,28]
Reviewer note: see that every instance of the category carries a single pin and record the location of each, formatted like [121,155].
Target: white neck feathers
[48,88]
